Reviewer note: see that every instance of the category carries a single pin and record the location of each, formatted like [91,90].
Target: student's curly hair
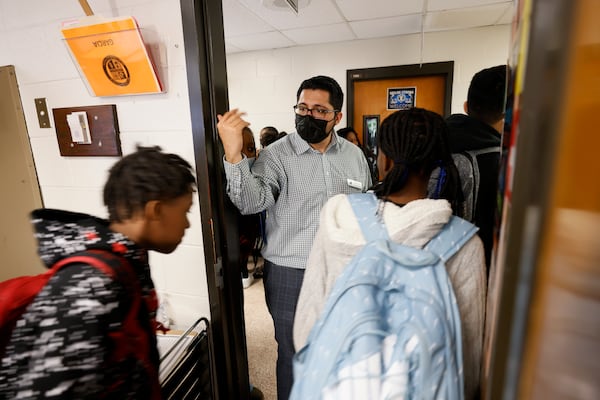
[417,141]
[145,175]
[336,96]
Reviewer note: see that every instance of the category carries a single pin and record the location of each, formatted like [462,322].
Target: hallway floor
[260,338]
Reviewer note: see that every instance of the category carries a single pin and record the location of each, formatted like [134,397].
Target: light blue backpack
[390,328]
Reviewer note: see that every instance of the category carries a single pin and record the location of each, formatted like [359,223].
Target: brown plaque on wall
[87,131]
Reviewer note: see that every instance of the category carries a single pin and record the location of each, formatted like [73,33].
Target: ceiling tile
[261,41]
[253,24]
[464,18]
[320,34]
[238,20]
[318,12]
[355,10]
[383,27]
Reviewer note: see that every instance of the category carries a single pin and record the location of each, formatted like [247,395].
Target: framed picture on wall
[370,129]
[401,98]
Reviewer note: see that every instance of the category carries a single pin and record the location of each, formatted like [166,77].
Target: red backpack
[16,294]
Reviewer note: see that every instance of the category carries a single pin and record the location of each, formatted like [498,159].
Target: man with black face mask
[291,180]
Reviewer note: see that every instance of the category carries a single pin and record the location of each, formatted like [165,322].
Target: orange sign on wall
[112,57]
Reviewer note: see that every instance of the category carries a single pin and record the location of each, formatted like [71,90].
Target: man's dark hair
[268,135]
[336,96]
[145,175]
[487,94]
[417,141]
[344,132]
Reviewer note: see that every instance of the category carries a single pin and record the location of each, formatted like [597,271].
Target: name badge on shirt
[354,184]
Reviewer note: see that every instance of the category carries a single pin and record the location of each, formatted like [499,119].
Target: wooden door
[372,95]
[563,329]
[543,333]
[371,98]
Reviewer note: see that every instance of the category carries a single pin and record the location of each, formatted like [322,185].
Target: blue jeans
[282,288]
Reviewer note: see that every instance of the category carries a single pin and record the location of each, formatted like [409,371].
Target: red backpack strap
[131,339]
[16,294]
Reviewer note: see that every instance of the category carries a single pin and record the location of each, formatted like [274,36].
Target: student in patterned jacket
[64,346]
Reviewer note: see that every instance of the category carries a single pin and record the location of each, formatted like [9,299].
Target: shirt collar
[301,146]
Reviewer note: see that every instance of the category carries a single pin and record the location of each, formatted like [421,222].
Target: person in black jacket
[481,128]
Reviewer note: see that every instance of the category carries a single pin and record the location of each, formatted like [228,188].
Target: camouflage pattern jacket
[61,346]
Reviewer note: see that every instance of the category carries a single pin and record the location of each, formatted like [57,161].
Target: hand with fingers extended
[230,126]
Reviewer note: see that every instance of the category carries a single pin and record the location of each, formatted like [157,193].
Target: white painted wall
[30,40]
[263,83]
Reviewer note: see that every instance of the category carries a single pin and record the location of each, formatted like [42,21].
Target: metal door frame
[207,86]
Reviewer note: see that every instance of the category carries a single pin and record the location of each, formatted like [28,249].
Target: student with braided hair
[411,144]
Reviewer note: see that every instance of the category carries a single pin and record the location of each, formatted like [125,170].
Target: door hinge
[218,267]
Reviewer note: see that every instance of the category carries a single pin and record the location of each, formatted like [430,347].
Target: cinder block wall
[263,83]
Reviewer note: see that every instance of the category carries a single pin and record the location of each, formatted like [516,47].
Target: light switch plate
[42,112]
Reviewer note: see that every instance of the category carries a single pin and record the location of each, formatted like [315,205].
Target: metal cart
[185,372]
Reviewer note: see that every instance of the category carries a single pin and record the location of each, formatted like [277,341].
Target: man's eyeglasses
[317,112]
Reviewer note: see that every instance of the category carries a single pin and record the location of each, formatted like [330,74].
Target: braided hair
[417,141]
[145,175]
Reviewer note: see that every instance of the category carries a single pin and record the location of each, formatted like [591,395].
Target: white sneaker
[247,282]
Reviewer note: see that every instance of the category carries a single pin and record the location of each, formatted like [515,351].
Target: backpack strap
[473,154]
[365,206]
[119,269]
[103,260]
[16,294]
[131,339]
[451,238]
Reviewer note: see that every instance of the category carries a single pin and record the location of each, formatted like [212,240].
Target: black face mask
[310,129]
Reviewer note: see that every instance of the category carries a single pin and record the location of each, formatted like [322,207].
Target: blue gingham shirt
[292,181]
